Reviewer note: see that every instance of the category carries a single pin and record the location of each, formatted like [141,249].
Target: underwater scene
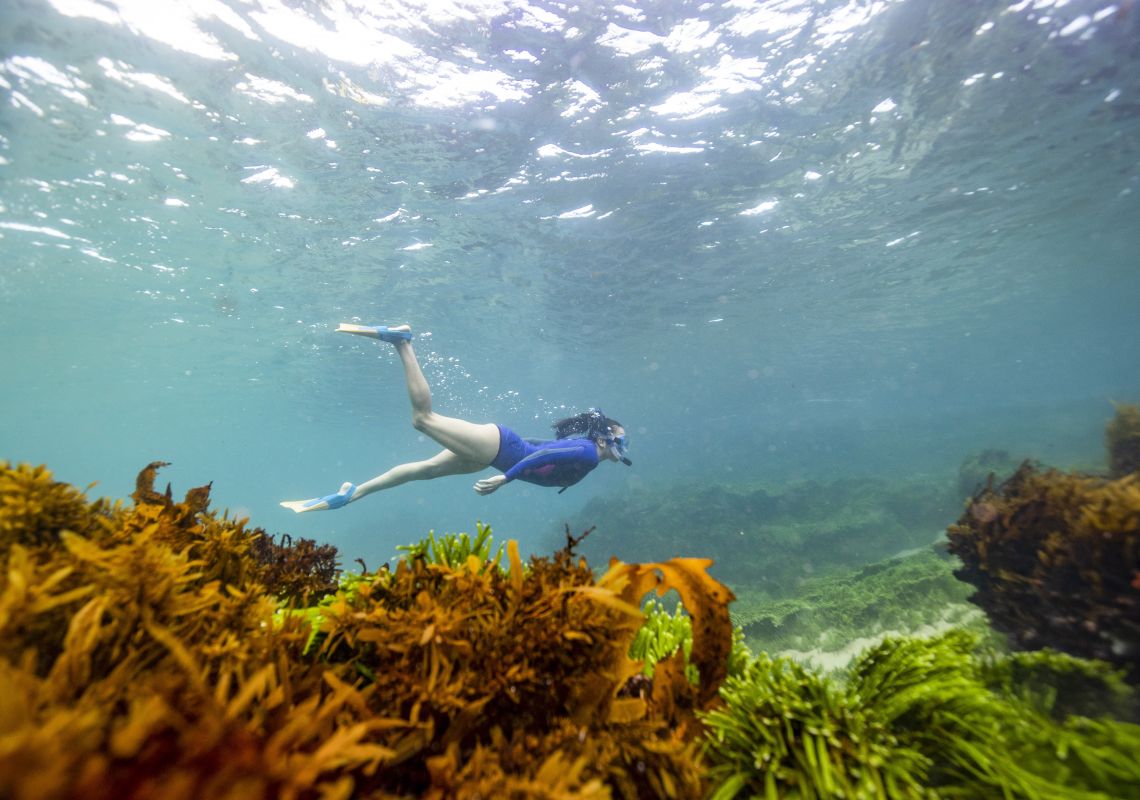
[507,399]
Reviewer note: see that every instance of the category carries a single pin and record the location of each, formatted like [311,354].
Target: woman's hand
[488,485]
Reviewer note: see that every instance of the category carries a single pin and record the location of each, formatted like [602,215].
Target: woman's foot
[393,335]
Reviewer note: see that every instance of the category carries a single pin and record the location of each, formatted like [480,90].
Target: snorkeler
[582,442]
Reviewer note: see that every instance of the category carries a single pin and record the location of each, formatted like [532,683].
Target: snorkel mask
[620,445]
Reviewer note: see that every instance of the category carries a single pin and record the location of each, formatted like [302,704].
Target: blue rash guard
[561,462]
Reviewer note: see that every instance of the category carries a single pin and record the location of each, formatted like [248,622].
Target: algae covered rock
[1055,557]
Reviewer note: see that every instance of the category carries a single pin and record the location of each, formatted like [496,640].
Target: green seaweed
[1062,685]
[453,550]
[660,636]
[937,697]
[785,732]
[917,718]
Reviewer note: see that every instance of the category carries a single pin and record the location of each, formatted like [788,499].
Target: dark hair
[592,424]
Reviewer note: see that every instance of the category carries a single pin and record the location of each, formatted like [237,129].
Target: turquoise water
[777,240]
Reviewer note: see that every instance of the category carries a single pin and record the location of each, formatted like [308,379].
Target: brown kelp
[139,656]
[151,651]
[1055,557]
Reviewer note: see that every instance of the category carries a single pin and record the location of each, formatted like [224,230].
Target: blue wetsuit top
[560,462]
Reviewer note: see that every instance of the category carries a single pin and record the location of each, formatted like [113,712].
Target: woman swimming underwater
[583,441]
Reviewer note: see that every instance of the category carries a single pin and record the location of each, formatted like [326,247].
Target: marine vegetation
[826,613]
[1055,558]
[662,635]
[146,652]
[779,536]
[922,718]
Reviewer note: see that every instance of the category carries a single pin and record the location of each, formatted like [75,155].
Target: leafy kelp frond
[351,587]
[501,673]
[704,598]
[786,732]
[453,550]
[295,571]
[36,603]
[138,651]
[1122,440]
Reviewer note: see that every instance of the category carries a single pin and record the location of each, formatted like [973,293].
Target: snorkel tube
[621,448]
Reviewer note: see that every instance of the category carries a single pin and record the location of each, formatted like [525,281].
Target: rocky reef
[1122,441]
[979,469]
[828,619]
[772,539]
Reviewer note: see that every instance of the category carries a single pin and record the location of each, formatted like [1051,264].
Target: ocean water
[778,240]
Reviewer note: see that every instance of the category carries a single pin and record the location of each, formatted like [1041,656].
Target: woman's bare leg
[472,442]
[468,447]
[444,463]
